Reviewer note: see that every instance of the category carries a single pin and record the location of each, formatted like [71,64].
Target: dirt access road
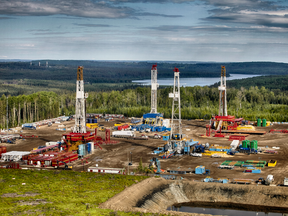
[117,155]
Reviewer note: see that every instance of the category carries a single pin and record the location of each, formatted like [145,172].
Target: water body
[194,81]
[226,212]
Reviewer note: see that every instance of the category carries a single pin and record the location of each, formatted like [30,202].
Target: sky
[145,30]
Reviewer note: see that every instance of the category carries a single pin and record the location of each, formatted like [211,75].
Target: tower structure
[222,93]
[154,86]
[175,142]
[80,115]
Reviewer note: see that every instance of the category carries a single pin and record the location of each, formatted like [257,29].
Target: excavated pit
[157,194]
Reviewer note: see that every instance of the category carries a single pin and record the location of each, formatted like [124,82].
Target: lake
[194,81]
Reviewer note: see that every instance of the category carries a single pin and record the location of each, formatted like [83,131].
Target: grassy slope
[67,192]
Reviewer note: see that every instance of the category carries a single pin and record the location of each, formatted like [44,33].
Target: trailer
[223,181]
[242,181]
[123,134]
[29,126]
[120,171]
[13,155]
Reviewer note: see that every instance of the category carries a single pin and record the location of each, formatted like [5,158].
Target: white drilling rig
[176,126]
[80,113]
[222,93]
[154,86]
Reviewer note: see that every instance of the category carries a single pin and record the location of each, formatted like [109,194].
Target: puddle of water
[226,212]
[229,209]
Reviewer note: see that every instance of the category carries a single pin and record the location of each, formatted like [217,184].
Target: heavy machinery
[155,163]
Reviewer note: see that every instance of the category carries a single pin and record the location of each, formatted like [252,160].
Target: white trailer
[286,181]
[14,155]
[123,134]
[107,170]
[51,143]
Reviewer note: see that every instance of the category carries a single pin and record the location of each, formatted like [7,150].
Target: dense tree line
[196,102]
[125,72]
[278,83]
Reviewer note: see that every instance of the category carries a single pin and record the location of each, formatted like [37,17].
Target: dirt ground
[116,155]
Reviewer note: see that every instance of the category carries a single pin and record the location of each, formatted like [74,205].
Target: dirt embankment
[157,194]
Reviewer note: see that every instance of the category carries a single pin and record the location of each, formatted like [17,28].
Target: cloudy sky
[177,30]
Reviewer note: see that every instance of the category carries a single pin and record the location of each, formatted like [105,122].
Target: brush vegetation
[60,192]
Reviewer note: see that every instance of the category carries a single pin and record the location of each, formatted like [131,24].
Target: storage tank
[255,144]
[264,122]
[244,144]
[259,122]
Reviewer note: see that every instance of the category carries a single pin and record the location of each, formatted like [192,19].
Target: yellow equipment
[102,128]
[272,163]
[246,127]
[92,125]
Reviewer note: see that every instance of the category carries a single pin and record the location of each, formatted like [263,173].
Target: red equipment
[208,130]
[236,137]
[278,131]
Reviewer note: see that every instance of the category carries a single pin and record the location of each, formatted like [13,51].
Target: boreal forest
[35,94]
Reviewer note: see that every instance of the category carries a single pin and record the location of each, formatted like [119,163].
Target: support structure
[154,86]
[176,143]
[176,105]
[80,115]
[222,93]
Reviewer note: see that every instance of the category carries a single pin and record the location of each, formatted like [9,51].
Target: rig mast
[80,115]
[175,142]
[222,93]
[154,86]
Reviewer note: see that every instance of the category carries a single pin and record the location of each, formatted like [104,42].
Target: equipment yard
[119,155]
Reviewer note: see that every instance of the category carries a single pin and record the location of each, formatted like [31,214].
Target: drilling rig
[222,93]
[154,86]
[175,143]
[222,120]
[79,135]
[153,118]
[80,114]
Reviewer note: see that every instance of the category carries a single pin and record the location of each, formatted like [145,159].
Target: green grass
[66,192]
